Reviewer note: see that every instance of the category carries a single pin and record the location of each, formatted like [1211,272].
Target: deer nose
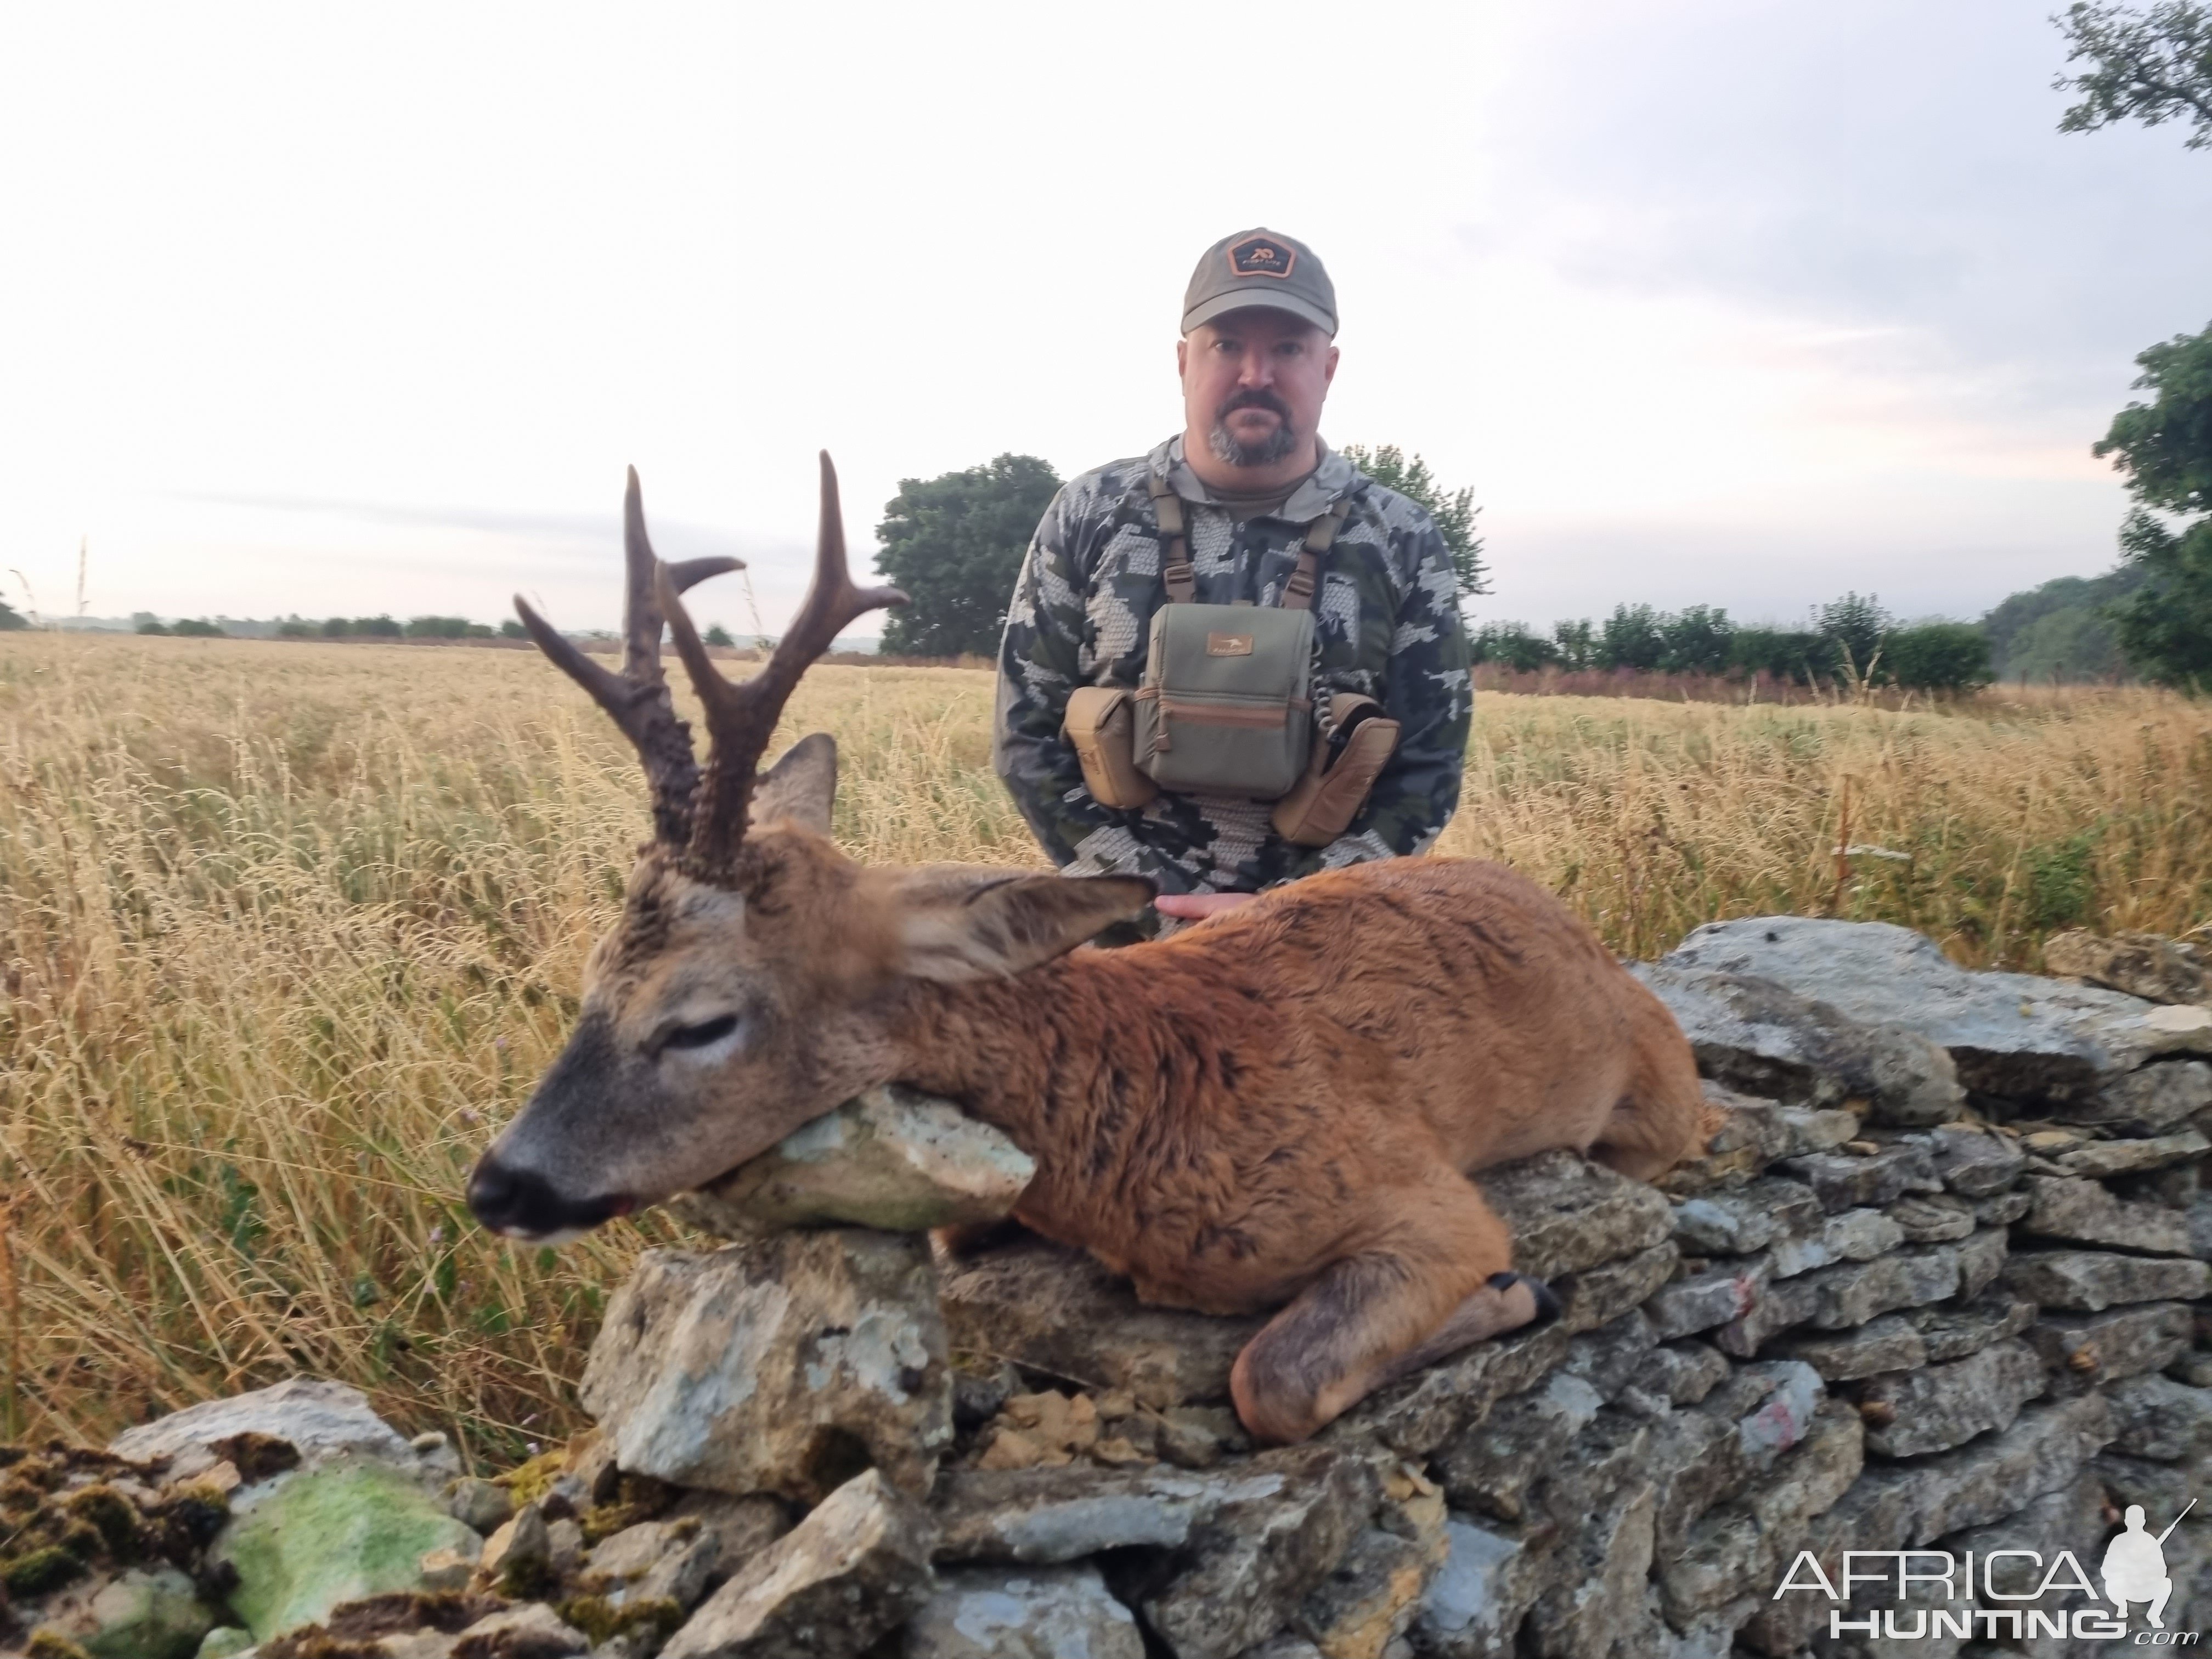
[521,1203]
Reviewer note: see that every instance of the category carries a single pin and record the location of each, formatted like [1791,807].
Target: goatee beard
[1277,446]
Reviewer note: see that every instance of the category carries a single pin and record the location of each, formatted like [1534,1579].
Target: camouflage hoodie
[1388,621]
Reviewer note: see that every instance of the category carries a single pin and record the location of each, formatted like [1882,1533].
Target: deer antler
[637,699]
[741,718]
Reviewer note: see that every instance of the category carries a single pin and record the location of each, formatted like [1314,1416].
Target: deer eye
[704,1035]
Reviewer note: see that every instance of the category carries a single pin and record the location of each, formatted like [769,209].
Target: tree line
[1852,641]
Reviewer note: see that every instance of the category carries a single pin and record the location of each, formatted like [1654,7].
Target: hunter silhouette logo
[1261,256]
[2134,1566]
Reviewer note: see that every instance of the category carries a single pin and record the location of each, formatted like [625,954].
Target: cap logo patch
[1261,256]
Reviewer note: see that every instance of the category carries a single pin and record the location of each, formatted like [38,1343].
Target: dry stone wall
[1939,1282]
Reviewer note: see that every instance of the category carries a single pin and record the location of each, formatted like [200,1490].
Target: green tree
[955,544]
[1938,656]
[151,625]
[1852,631]
[10,619]
[2165,448]
[1696,639]
[1787,654]
[2152,66]
[1511,644]
[717,635]
[1454,511]
[198,629]
[1577,642]
[512,629]
[1631,638]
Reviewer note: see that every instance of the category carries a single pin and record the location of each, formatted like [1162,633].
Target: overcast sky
[311,309]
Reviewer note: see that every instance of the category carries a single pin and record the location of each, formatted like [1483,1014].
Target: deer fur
[1278,1108]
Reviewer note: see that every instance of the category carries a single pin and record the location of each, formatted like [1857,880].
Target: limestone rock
[479,1505]
[1976,1162]
[1370,1597]
[1043,1517]
[2089,1281]
[1686,1372]
[2086,1211]
[1932,1218]
[306,1541]
[2102,1159]
[1999,1209]
[1857,1235]
[532,1630]
[2015,1035]
[1747,1218]
[1418,1413]
[1479,1597]
[735,1530]
[1058,1311]
[1488,1472]
[892,1158]
[1887,1343]
[1835,1298]
[2145,966]
[138,1614]
[657,1560]
[1705,1299]
[1843,1180]
[1987,1480]
[1251,1559]
[2157,1417]
[2154,1101]
[2081,1352]
[1954,1331]
[1615,1355]
[762,1367]
[854,1568]
[1598,1296]
[1911,1412]
[320,1420]
[1756,1035]
[1024,1612]
[1568,1214]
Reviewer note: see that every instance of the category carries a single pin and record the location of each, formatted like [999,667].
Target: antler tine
[637,699]
[741,718]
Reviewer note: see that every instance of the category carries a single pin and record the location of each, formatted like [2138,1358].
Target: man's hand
[1197,907]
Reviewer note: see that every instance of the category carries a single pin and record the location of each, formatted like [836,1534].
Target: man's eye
[702,1035]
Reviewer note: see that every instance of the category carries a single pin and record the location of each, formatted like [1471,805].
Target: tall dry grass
[286,930]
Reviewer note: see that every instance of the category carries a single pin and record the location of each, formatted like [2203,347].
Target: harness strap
[1181,581]
[1167,505]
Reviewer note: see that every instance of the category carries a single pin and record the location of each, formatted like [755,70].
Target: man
[1257,359]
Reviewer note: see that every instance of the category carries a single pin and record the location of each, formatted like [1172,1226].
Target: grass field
[287,930]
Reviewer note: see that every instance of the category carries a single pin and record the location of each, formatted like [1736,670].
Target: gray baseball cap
[1259,268]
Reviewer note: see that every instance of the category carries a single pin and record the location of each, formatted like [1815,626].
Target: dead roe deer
[1278,1108]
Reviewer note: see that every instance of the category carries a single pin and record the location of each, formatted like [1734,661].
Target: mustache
[1255,398]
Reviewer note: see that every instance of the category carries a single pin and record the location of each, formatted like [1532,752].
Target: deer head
[752,981]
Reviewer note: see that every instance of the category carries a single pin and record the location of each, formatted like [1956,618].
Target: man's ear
[802,787]
[963,922]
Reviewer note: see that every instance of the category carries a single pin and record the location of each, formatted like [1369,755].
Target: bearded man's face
[1253,381]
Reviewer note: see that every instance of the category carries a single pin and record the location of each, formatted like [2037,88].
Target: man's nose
[1256,369]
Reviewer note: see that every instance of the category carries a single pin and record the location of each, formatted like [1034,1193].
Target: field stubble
[287,930]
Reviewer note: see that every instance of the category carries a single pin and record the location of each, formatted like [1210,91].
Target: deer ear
[801,788]
[968,923]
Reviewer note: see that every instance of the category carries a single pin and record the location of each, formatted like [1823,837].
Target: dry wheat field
[286,930]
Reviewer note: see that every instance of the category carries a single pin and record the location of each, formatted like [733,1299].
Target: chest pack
[1225,705]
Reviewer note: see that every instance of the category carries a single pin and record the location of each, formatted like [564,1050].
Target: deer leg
[1421,1288]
